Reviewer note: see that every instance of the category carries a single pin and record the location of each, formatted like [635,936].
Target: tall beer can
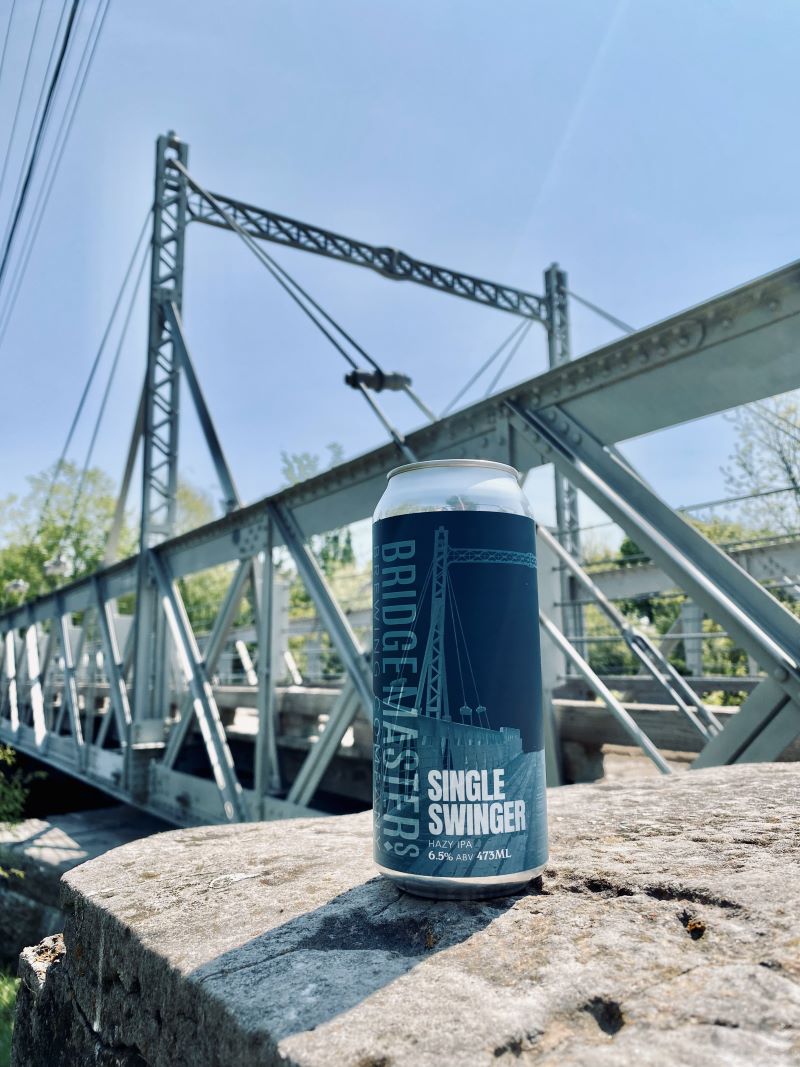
[459,769]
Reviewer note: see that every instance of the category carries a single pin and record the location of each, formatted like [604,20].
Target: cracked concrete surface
[665,931]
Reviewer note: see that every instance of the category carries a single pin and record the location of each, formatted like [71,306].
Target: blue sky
[644,145]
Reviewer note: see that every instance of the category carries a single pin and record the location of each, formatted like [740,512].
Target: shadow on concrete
[300,975]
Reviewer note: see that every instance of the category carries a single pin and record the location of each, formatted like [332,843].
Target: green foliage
[766,456]
[29,539]
[720,531]
[13,787]
[194,507]
[334,553]
[300,466]
[720,698]
[721,656]
[606,657]
[629,552]
[202,592]
[8,995]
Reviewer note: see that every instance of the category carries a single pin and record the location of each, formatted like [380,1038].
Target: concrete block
[665,932]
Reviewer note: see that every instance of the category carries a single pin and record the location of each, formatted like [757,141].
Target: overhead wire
[5,38]
[20,97]
[54,162]
[54,80]
[37,111]
[92,372]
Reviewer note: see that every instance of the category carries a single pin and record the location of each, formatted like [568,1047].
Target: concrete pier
[665,931]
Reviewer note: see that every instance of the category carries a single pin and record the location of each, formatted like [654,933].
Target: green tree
[720,531]
[333,551]
[45,523]
[203,591]
[766,457]
[660,612]
[300,466]
[13,788]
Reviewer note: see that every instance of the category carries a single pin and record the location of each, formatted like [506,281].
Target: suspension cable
[484,367]
[287,282]
[102,409]
[457,614]
[92,371]
[449,585]
[274,266]
[291,286]
[512,352]
[423,407]
[602,313]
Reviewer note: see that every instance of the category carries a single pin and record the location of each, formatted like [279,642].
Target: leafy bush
[8,995]
[13,787]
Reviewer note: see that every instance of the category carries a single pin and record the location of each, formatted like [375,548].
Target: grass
[8,994]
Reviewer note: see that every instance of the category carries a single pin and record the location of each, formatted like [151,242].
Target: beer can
[459,769]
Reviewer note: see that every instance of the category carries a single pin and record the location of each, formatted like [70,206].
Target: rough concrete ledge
[35,853]
[666,931]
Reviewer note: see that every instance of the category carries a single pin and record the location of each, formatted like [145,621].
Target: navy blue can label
[459,771]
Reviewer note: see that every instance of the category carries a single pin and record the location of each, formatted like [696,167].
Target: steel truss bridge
[733,349]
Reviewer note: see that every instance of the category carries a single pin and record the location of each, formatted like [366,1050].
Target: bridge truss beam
[693,364]
[389,262]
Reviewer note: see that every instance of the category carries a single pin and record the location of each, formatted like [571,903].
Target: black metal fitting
[377,380]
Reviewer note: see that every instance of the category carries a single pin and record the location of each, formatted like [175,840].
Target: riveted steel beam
[333,618]
[389,262]
[204,704]
[754,618]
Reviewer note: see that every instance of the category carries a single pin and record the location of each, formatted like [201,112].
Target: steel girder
[654,662]
[774,561]
[567,517]
[389,262]
[160,410]
[693,364]
[770,717]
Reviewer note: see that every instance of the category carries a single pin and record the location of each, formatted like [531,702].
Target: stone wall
[665,931]
[36,852]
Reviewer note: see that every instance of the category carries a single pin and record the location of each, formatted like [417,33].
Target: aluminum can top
[453,485]
[424,464]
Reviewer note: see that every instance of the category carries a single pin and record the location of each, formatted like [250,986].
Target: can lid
[490,463]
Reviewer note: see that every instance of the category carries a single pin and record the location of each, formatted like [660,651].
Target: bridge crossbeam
[389,262]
